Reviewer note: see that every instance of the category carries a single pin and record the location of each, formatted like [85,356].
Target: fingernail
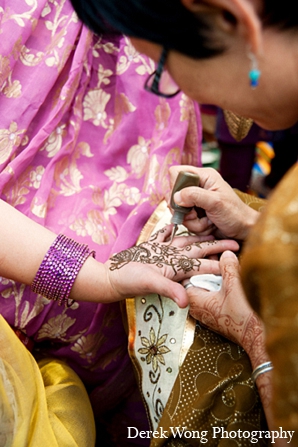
[177,197]
[228,254]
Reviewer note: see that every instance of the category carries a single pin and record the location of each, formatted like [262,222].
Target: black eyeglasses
[152,83]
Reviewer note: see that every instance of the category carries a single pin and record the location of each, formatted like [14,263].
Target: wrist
[251,217]
[262,368]
[253,341]
[59,269]
[91,283]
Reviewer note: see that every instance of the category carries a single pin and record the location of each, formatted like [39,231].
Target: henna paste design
[155,235]
[154,253]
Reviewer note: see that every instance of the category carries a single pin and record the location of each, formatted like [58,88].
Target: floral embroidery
[13,89]
[154,349]
[16,191]
[162,114]
[138,156]
[93,225]
[87,346]
[9,139]
[54,141]
[132,56]
[94,107]
[117,174]
[117,194]
[4,70]
[56,327]
[36,176]
[80,157]
[122,106]
[108,47]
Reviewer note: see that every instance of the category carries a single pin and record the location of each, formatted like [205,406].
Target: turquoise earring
[254,73]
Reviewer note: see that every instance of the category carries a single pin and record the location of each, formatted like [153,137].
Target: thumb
[194,196]
[229,265]
[168,288]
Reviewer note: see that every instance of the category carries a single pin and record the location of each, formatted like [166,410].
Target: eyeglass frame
[156,75]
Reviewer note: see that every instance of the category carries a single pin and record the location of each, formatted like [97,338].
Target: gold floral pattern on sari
[138,156]
[94,107]
[17,191]
[92,225]
[56,327]
[132,56]
[24,310]
[82,155]
[10,139]
[54,141]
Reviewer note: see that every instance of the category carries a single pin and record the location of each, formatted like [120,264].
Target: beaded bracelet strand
[59,269]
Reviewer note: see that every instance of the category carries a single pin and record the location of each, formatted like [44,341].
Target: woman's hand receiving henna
[156,267]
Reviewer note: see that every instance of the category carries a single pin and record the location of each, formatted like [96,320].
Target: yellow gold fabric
[42,404]
[270,278]
[253,202]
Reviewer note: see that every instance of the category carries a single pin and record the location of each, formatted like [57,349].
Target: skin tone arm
[227,215]
[153,267]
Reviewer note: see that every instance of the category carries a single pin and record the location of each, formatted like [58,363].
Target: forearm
[24,244]
[253,342]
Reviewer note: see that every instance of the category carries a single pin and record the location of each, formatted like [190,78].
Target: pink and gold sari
[84,150]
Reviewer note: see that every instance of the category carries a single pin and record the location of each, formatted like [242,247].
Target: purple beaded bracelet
[59,269]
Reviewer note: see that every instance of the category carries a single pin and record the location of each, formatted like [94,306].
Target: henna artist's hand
[227,215]
[156,267]
[228,312]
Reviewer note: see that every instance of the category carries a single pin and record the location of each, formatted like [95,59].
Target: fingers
[196,196]
[207,175]
[201,226]
[168,288]
[208,248]
[207,266]
[229,266]
[182,241]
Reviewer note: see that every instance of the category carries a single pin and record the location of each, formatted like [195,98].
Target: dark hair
[169,23]
[281,14]
[166,22]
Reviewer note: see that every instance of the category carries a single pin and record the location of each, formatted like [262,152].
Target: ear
[232,16]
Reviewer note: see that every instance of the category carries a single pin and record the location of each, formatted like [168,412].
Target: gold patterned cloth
[270,278]
[195,383]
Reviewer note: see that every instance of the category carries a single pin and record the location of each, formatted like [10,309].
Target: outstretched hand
[157,267]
